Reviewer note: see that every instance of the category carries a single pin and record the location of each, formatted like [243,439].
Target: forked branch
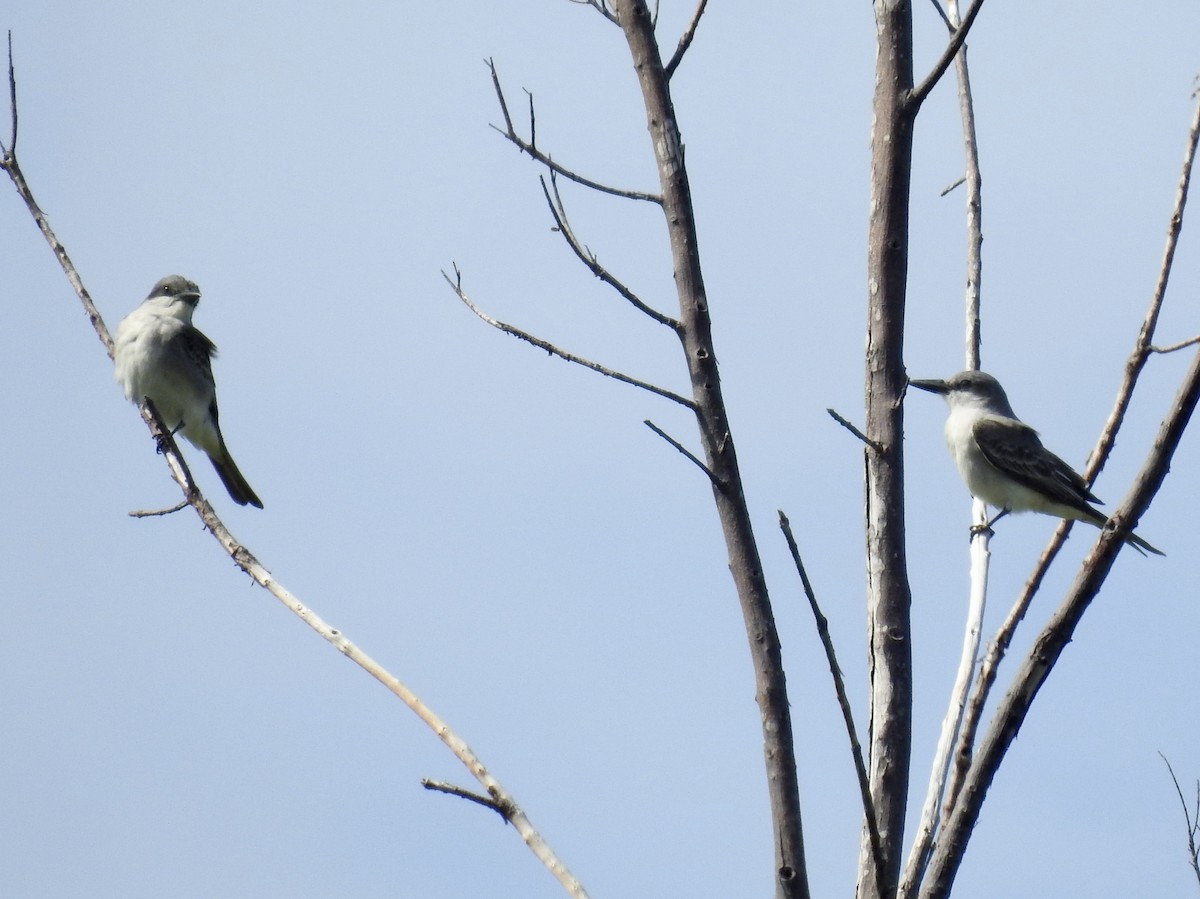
[685,40]
[530,147]
[557,209]
[456,285]
[918,94]
[839,688]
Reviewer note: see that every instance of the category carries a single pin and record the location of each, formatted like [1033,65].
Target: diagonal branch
[945,18]
[918,94]
[456,285]
[849,426]
[1141,348]
[688,454]
[839,687]
[685,40]
[529,146]
[588,258]
[440,786]
[246,561]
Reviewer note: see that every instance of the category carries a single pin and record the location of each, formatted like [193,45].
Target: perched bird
[1002,460]
[160,354]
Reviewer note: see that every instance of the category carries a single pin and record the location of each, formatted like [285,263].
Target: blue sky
[499,528]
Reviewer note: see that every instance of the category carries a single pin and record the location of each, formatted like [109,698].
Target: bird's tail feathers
[1142,546]
[1100,520]
[227,470]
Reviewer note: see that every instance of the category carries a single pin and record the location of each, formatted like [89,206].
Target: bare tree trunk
[888,597]
[696,334]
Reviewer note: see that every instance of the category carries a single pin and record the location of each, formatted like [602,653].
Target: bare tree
[968,761]
[898,100]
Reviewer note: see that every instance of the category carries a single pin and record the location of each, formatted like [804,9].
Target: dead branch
[529,146]
[684,450]
[12,102]
[589,259]
[1141,348]
[456,285]
[685,40]
[849,426]
[918,94]
[1174,347]
[839,687]
[440,786]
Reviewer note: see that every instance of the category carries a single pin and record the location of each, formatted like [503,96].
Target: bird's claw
[984,530]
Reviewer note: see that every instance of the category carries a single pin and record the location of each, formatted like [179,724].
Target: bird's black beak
[934,386]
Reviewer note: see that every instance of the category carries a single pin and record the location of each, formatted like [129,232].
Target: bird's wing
[198,351]
[1014,448]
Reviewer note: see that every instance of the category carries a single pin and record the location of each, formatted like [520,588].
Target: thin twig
[918,94]
[686,452]
[532,119]
[588,258]
[440,786]
[1192,821]
[855,431]
[945,18]
[957,184]
[527,147]
[456,285]
[1140,353]
[839,687]
[600,7]
[1191,341]
[12,100]
[151,513]
[974,179]
[685,40]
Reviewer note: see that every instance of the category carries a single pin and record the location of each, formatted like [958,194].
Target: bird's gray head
[176,286]
[971,388]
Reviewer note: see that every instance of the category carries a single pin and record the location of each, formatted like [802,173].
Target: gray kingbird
[1002,460]
[160,354]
